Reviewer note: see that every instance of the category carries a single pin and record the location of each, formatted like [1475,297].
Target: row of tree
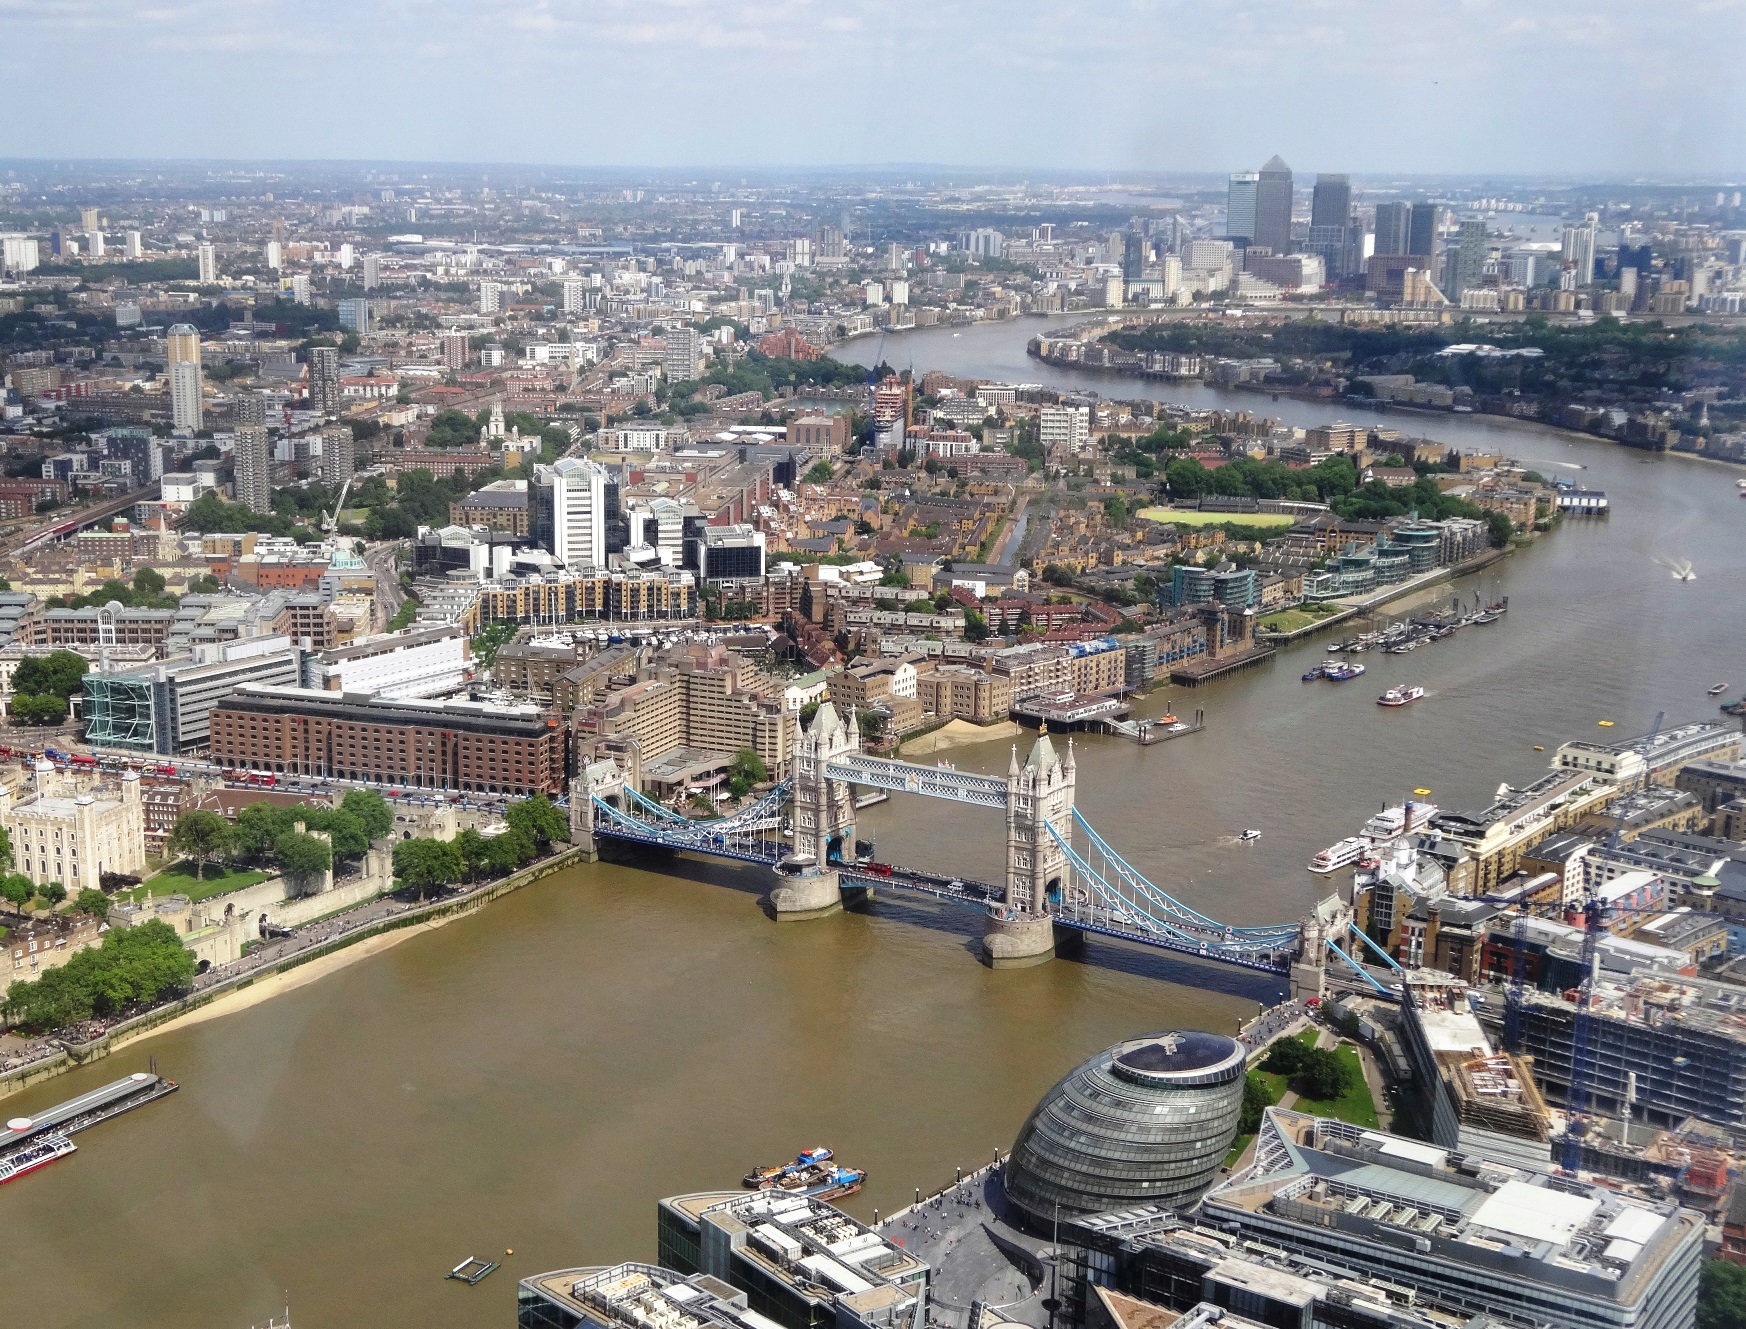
[425,867]
[132,967]
[265,833]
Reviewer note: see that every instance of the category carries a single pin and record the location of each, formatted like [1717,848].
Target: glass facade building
[1143,1123]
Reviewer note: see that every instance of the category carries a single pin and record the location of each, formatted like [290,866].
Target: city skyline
[1494,78]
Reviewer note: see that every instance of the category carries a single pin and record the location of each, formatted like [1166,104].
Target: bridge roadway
[980,896]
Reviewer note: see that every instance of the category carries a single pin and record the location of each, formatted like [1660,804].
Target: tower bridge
[1062,879]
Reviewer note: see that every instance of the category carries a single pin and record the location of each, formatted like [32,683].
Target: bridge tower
[1039,794]
[824,819]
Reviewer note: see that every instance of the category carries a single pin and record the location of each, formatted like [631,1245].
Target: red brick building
[787,344]
[424,745]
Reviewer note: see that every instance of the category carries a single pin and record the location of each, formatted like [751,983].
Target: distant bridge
[1060,872]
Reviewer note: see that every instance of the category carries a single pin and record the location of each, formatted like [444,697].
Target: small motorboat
[1719,689]
[1249,835]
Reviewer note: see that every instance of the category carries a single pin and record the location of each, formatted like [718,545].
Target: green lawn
[1289,620]
[1181,518]
[1355,1105]
[179,880]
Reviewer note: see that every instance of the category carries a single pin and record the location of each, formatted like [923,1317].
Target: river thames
[536,1075]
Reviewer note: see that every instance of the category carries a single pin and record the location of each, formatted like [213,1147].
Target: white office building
[208,265]
[567,512]
[420,662]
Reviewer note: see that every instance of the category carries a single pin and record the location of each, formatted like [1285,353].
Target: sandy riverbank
[959,733]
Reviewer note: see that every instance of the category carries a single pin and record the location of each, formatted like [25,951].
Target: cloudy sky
[1617,88]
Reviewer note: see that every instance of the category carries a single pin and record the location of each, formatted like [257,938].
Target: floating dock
[471,1270]
[76,1114]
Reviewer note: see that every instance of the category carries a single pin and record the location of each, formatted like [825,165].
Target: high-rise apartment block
[567,512]
[94,244]
[455,350]
[1064,429]
[300,288]
[354,316]
[1240,194]
[1273,207]
[1464,268]
[372,271]
[575,297]
[88,219]
[324,378]
[208,265]
[1133,256]
[1579,242]
[182,346]
[338,454]
[684,351]
[253,462]
[490,297]
[831,245]
[275,255]
[131,245]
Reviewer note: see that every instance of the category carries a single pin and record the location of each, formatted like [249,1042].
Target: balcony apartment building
[464,746]
[1492,841]
[703,703]
[1658,758]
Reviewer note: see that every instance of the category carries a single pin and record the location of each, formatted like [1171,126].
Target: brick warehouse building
[426,745]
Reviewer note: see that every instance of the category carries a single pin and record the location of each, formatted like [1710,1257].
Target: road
[383,562]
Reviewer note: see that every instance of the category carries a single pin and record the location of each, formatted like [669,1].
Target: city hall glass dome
[1145,1122]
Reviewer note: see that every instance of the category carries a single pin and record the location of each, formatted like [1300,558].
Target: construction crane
[329,520]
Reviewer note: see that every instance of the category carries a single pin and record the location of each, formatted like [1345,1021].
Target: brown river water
[536,1075]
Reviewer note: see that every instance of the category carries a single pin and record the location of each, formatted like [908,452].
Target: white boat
[1337,856]
[1249,835]
[1392,823]
[1400,695]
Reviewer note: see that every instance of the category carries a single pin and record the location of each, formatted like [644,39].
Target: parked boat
[1337,856]
[762,1178]
[1392,823]
[1400,695]
[1342,673]
[38,1153]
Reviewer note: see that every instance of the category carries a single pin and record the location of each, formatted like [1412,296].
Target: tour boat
[1392,823]
[39,1153]
[1337,856]
[1400,696]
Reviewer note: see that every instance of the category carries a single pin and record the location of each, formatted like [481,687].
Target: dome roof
[1145,1122]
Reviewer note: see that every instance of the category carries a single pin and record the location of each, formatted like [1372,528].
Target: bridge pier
[1018,941]
[806,894]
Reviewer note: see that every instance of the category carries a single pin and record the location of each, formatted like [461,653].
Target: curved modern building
[1145,1122]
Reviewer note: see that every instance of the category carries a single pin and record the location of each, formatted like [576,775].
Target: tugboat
[1400,695]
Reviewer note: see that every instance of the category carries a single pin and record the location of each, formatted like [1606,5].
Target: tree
[56,674]
[93,902]
[201,836]
[506,852]
[1115,509]
[1286,1057]
[258,828]
[820,473]
[1501,528]
[975,626]
[304,859]
[451,429]
[52,893]
[538,820]
[16,891]
[5,850]
[38,710]
[1721,1296]
[148,581]
[1256,1100]
[746,770]
[424,866]
[134,966]
[1324,1076]
[475,850]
